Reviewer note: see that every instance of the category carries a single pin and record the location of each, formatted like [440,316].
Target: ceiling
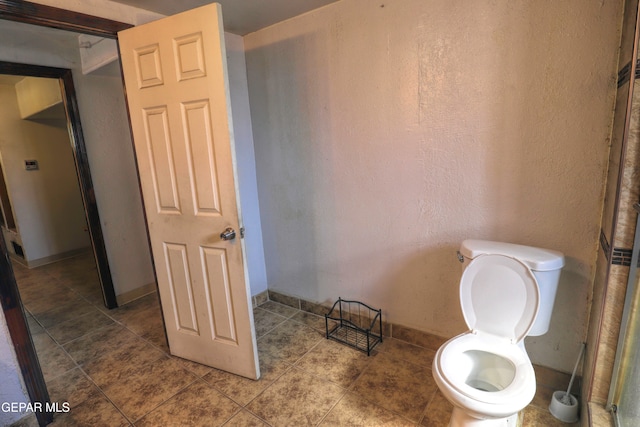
[240,16]
[34,38]
[18,34]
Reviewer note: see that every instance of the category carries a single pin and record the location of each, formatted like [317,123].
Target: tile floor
[113,367]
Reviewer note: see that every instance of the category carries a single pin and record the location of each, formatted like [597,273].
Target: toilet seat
[499,296]
[453,366]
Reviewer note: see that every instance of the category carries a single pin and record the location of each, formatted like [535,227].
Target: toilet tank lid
[537,259]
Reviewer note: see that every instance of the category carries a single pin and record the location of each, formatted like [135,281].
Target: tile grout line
[104,394]
[168,399]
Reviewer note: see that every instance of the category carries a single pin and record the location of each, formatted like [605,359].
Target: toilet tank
[545,265]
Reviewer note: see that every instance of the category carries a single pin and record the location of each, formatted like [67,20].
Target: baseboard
[18,259]
[260,298]
[136,293]
[50,259]
[392,330]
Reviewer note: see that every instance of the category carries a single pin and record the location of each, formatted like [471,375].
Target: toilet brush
[566,399]
[563,405]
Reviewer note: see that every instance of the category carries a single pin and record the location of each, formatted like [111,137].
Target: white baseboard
[49,259]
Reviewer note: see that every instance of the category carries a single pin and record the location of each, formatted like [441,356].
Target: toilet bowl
[486,373]
[487,381]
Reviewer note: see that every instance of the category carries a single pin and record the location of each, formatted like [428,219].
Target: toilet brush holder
[564,407]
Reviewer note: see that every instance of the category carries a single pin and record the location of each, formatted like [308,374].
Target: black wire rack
[356,324]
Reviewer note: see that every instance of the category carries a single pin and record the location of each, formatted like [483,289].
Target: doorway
[47,238]
[97,257]
[9,296]
[81,164]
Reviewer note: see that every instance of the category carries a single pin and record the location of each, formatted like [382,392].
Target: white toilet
[507,292]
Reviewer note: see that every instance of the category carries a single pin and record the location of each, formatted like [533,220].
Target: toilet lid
[499,295]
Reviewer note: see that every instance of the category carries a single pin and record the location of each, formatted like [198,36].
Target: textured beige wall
[388,132]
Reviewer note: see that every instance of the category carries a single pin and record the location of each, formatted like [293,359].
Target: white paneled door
[177,87]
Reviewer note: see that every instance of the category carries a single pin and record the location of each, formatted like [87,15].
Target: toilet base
[459,418]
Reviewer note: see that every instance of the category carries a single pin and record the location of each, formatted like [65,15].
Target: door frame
[81,162]
[52,17]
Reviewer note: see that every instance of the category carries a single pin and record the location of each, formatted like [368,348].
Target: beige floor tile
[353,410]
[54,361]
[32,284]
[405,351]
[70,310]
[265,321]
[49,298]
[81,277]
[42,341]
[130,313]
[27,421]
[272,366]
[316,322]
[18,269]
[145,322]
[310,319]
[398,385]
[542,397]
[96,411]
[336,362]
[33,290]
[34,326]
[34,280]
[290,340]
[438,411]
[121,362]
[197,405]
[144,389]
[243,390]
[245,419]
[93,296]
[296,399]
[158,338]
[98,343]
[79,326]
[144,318]
[73,387]
[83,262]
[82,281]
[536,417]
[195,368]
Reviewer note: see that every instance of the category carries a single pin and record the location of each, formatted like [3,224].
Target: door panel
[180,287]
[161,160]
[178,95]
[202,165]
